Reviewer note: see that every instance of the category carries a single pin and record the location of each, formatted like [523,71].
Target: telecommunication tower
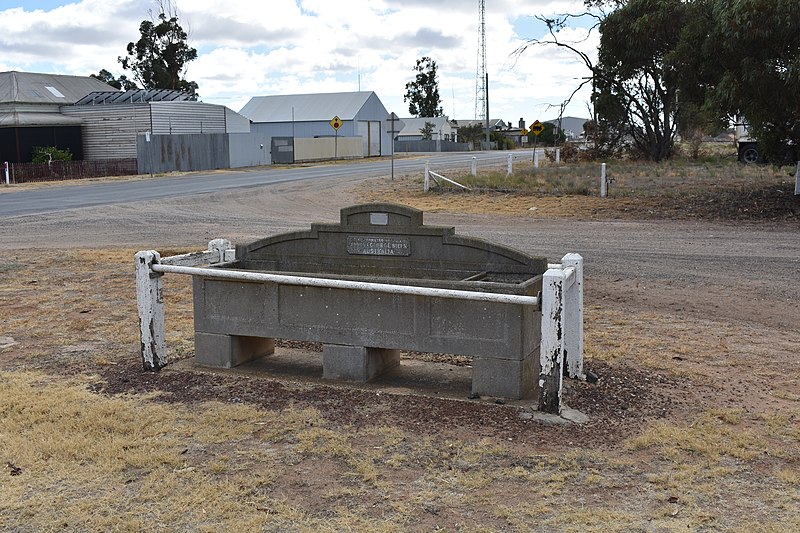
[480,76]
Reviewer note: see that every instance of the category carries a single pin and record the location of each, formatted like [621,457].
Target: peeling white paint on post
[474,166]
[551,355]
[150,301]
[426,183]
[603,182]
[573,319]
[150,297]
[510,164]
[558,156]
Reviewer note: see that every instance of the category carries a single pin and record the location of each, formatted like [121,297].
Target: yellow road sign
[336,123]
[537,128]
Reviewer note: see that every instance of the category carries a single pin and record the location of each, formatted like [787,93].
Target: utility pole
[481,76]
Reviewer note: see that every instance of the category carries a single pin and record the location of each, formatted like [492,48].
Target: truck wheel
[750,154]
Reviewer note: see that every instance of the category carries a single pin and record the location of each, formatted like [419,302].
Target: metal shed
[30,115]
[302,116]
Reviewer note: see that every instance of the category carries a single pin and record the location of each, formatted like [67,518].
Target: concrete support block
[227,351]
[504,378]
[356,363]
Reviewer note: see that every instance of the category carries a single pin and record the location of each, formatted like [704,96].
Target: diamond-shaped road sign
[336,123]
[537,128]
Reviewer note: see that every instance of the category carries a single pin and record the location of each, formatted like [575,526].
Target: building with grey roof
[303,116]
[30,105]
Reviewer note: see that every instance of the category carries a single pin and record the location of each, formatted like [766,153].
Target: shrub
[42,154]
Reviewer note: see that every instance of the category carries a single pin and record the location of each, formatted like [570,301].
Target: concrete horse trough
[378,282]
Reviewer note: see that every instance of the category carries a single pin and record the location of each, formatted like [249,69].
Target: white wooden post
[551,355]
[5,171]
[474,166]
[535,159]
[796,180]
[558,156]
[150,301]
[510,164]
[603,180]
[426,183]
[573,320]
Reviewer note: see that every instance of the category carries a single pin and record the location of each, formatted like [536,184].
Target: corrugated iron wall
[179,118]
[109,132]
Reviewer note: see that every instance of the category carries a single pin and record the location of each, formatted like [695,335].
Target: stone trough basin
[363,331]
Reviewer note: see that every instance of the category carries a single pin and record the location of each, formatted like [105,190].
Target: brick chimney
[521,123]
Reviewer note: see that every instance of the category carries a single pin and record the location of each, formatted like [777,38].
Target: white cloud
[249,48]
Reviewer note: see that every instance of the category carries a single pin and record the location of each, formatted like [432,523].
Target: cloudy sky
[252,48]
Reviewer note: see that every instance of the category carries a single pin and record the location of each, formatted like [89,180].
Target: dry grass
[76,460]
[673,190]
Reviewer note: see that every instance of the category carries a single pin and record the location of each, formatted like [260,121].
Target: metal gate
[282,150]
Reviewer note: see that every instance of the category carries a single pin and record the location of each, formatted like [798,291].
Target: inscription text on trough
[364,245]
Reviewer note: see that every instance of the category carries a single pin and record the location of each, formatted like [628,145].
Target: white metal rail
[347,284]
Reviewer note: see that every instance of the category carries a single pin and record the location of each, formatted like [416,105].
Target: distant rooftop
[305,107]
[36,88]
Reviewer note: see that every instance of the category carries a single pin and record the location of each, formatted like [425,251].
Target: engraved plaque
[368,245]
[379,219]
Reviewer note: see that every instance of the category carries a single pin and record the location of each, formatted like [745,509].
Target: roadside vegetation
[712,186]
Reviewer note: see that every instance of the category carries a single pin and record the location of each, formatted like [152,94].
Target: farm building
[300,127]
[164,130]
[30,115]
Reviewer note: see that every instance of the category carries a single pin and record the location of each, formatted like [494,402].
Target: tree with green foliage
[422,94]
[47,154]
[501,141]
[634,86]
[427,131]
[472,134]
[749,62]
[122,83]
[637,73]
[158,59]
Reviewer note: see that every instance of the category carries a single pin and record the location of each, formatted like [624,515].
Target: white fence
[561,304]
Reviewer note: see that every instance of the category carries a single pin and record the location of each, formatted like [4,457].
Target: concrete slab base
[227,351]
[504,378]
[356,363]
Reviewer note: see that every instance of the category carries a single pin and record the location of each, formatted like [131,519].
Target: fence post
[535,159]
[5,168]
[603,182]
[510,164]
[474,166]
[796,180]
[426,182]
[551,355]
[150,301]
[573,319]
[558,156]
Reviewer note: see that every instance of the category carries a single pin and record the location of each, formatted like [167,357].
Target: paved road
[52,199]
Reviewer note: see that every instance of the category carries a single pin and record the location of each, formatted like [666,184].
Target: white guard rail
[561,303]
